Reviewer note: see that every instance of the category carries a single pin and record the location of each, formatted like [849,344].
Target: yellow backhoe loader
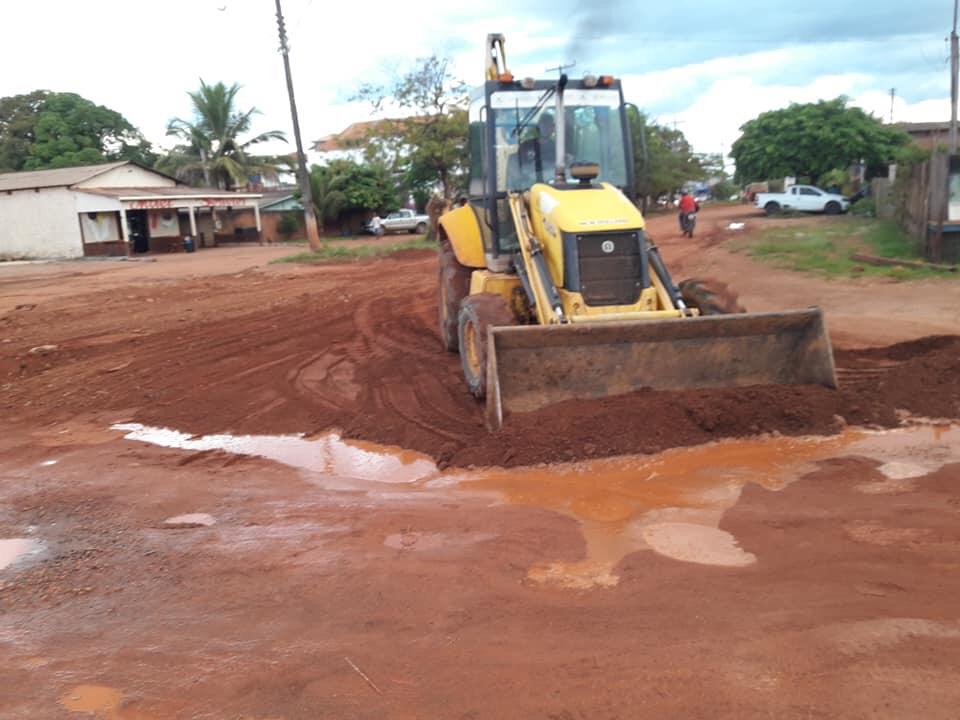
[549,287]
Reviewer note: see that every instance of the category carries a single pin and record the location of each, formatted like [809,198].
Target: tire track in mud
[398,336]
[399,398]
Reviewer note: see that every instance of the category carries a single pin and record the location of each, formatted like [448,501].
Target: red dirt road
[860,313]
[356,348]
[771,577]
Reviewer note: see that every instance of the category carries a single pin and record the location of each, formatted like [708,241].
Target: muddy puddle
[671,503]
[16,550]
[98,699]
[328,455]
[101,702]
[191,520]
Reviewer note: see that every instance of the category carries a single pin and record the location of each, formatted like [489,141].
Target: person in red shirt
[687,205]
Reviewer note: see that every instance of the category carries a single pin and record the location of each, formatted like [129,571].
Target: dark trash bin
[188,244]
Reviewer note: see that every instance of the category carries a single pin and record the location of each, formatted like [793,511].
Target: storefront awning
[163,198]
[170,198]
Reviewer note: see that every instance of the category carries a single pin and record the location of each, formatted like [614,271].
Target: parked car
[406,220]
[805,198]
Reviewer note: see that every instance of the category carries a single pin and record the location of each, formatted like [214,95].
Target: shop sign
[223,202]
[151,204]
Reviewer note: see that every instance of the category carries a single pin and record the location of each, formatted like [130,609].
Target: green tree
[43,130]
[669,161]
[428,147]
[18,115]
[211,150]
[345,185]
[808,140]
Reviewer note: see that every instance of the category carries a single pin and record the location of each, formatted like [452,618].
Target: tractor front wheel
[452,287]
[477,313]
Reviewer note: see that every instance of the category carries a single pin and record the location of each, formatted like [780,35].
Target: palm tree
[328,190]
[211,150]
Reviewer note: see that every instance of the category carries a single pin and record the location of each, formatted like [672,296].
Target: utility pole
[303,179]
[954,68]
[893,95]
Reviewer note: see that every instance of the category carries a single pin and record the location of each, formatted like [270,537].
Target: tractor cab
[565,133]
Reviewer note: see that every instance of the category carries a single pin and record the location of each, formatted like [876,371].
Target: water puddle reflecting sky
[329,454]
[14,550]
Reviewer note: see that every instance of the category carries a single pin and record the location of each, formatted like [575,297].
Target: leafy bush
[865,207]
[836,178]
[724,190]
[288,224]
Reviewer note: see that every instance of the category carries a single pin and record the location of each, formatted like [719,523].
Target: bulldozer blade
[530,367]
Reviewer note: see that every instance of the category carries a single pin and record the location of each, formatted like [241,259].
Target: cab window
[592,128]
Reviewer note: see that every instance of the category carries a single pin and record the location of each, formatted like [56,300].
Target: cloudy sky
[708,66]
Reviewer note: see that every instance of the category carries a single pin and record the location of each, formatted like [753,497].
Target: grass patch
[886,239]
[825,248]
[324,238]
[345,253]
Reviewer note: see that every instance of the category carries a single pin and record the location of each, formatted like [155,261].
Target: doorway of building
[137,230]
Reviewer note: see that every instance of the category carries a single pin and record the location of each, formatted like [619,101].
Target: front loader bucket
[530,367]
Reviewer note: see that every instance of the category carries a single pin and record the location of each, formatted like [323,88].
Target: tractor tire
[710,297]
[452,287]
[772,208]
[832,208]
[477,313]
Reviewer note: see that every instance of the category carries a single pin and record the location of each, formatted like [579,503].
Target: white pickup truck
[405,220]
[802,197]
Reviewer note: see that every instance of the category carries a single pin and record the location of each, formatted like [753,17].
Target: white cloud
[720,95]
[878,103]
[140,60]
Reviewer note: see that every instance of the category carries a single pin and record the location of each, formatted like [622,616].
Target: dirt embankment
[356,348]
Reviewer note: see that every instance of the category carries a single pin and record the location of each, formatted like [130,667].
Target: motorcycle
[688,221]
